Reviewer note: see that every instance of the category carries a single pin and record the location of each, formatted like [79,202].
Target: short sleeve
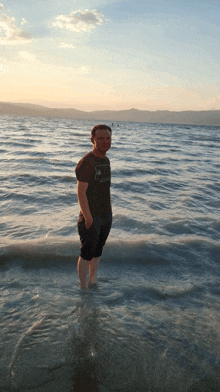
[84,170]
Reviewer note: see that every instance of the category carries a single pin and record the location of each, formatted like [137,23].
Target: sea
[153,322]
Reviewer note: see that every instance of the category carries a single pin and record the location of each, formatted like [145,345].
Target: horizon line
[110,110]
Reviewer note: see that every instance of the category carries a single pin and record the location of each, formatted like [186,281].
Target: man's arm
[83,202]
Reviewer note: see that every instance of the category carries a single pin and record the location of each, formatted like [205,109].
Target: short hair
[101,127]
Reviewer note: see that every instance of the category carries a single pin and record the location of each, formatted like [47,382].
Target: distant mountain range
[205,117]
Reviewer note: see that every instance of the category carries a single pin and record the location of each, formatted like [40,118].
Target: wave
[146,250]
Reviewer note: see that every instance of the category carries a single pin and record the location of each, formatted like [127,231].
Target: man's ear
[92,140]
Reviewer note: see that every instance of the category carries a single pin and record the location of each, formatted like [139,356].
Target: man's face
[102,140]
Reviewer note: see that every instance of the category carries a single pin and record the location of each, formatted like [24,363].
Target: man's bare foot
[83,287]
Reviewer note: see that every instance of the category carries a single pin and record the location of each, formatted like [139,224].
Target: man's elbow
[81,193]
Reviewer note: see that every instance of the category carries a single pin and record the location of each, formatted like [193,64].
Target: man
[93,190]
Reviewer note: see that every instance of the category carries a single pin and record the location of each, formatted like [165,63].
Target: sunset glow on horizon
[105,54]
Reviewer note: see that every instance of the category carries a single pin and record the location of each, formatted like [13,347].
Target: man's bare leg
[93,267]
[82,268]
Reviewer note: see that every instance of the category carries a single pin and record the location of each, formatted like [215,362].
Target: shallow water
[153,322]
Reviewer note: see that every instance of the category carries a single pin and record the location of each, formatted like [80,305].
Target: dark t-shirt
[97,172]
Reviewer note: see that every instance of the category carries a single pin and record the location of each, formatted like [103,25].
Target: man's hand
[88,223]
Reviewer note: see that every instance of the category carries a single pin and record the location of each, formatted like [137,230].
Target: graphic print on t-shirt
[102,173]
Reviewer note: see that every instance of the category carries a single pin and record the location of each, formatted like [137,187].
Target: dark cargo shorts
[94,238]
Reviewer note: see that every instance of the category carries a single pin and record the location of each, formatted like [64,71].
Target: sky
[111,55]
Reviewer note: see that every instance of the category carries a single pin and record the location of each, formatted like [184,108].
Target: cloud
[1,6]
[10,33]
[84,70]
[66,46]
[23,21]
[26,56]
[79,20]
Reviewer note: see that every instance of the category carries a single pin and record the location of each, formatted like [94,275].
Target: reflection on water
[89,348]
[86,351]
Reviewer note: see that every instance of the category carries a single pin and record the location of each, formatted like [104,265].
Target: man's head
[101,139]
[101,127]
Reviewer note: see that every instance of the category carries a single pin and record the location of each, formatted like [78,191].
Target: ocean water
[153,323]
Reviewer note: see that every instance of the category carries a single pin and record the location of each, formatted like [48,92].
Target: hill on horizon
[205,117]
